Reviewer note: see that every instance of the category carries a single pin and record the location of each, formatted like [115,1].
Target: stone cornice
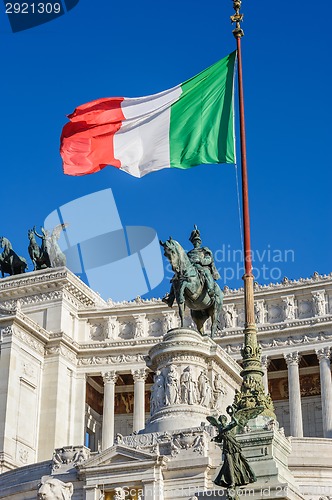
[310,342]
[286,285]
[283,328]
[49,279]
[23,321]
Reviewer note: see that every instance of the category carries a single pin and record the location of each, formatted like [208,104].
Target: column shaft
[295,409]
[108,409]
[139,399]
[326,389]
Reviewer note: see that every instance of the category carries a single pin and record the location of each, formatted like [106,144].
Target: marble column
[78,424]
[108,409]
[265,365]
[295,409]
[324,357]
[139,377]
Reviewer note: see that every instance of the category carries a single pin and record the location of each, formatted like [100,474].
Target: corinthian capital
[324,353]
[292,358]
[139,375]
[109,377]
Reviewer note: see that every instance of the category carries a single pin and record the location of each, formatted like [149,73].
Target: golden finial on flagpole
[237,18]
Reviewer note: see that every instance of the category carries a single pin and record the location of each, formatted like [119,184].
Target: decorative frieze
[110,360]
[172,387]
[170,443]
[62,350]
[105,330]
[30,341]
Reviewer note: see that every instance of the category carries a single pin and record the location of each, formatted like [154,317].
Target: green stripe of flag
[202,120]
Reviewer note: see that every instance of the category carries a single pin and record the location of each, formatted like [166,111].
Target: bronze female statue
[235,470]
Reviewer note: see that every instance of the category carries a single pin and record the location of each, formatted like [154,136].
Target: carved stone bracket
[73,455]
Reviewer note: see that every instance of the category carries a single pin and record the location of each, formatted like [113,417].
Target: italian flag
[190,124]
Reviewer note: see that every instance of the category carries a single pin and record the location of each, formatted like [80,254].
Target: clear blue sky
[102,48]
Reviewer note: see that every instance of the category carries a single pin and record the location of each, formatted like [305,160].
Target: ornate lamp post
[252,392]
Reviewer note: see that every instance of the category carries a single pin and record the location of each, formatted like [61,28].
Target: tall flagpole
[252,392]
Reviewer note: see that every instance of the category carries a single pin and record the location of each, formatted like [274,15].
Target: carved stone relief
[119,494]
[229,316]
[289,307]
[173,386]
[259,312]
[305,309]
[319,303]
[275,313]
[72,455]
[241,318]
[126,330]
[204,390]
[96,332]
[54,489]
[219,391]
[157,399]
[170,321]
[156,327]
[110,360]
[28,370]
[140,326]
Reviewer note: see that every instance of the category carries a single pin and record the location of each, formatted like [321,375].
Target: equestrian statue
[49,253]
[193,283]
[10,262]
[38,254]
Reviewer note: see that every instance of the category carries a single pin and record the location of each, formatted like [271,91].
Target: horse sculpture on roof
[10,262]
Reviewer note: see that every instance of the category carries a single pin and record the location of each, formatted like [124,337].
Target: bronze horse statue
[10,262]
[189,288]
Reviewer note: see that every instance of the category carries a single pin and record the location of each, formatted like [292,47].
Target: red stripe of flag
[87,140]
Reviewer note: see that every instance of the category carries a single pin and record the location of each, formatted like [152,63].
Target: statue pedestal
[194,378]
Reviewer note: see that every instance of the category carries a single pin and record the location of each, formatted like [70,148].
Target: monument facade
[95,393]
